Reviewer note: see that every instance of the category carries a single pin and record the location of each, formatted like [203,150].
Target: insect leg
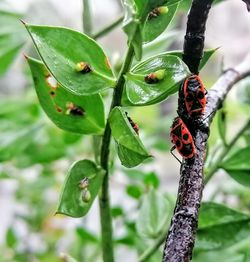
[171,151]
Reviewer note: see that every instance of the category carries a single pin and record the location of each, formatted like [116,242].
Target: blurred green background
[35,155]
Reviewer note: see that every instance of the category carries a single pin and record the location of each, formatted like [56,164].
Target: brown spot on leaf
[58,109]
[107,63]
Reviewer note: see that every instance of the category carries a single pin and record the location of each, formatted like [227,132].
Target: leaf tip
[22,22]
[25,56]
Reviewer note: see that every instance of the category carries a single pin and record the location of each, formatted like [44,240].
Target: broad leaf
[131,151]
[238,166]
[206,55]
[62,49]
[71,203]
[12,38]
[60,105]
[154,214]
[156,25]
[220,227]
[140,93]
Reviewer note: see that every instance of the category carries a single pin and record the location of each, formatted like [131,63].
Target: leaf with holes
[131,151]
[78,114]
[139,92]
[64,50]
[71,203]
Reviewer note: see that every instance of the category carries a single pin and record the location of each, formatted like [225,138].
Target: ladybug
[182,139]
[193,93]
[133,124]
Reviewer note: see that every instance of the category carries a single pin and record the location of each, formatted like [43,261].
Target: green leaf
[13,143]
[62,49]
[85,235]
[57,103]
[134,191]
[151,179]
[220,227]
[71,203]
[136,12]
[213,214]
[156,25]
[153,214]
[11,239]
[222,125]
[206,55]
[131,151]
[140,93]
[12,38]
[238,166]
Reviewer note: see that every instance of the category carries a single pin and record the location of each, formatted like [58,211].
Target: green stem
[215,166]
[104,203]
[108,28]
[151,250]
[86,18]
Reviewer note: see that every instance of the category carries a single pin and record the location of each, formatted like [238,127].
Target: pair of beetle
[191,106]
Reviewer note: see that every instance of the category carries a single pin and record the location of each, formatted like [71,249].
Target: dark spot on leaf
[58,109]
[74,110]
[151,78]
[52,93]
[153,14]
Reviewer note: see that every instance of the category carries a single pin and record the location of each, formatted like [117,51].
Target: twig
[152,249]
[108,28]
[86,18]
[106,220]
[194,38]
[181,235]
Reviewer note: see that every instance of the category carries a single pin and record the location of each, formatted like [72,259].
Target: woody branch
[181,236]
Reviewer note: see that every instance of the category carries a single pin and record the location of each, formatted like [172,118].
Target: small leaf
[222,124]
[134,191]
[238,166]
[156,25]
[153,215]
[71,203]
[62,49]
[151,179]
[12,38]
[11,238]
[74,113]
[85,235]
[131,151]
[220,227]
[140,92]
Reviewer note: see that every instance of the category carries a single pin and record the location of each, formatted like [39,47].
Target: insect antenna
[171,151]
